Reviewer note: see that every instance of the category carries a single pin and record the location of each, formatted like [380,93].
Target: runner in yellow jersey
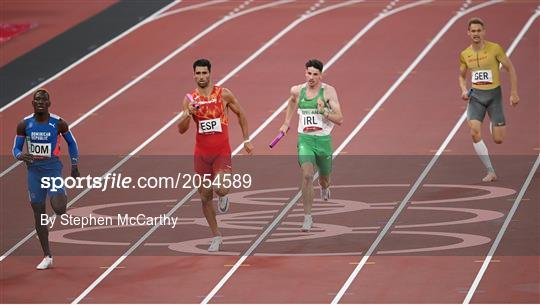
[482,58]
[318,110]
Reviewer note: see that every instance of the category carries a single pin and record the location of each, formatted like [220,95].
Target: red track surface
[50,18]
[107,129]
[413,122]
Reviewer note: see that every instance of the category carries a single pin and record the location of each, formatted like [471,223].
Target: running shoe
[46,263]
[223,204]
[325,194]
[490,177]
[214,245]
[308,222]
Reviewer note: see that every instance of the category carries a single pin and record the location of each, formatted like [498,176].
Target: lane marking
[156,66]
[284,211]
[491,253]
[94,52]
[422,176]
[232,73]
[162,129]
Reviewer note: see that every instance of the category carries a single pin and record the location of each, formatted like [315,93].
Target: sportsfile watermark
[119,181]
[365,191]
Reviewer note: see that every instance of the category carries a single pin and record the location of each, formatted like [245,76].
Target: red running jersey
[211,120]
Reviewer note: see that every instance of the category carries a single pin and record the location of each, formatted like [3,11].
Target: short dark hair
[202,63]
[42,90]
[475,20]
[315,63]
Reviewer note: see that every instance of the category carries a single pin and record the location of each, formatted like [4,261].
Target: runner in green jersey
[318,110]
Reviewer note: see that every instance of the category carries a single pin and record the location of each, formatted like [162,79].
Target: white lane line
[499,237]
[192,192]
[331,62]
[184,9]
[291,203]
[518,199]
[422,176]
[158,65]
[146,142]
[104,46]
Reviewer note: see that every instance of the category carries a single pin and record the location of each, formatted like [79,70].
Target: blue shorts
[35,191]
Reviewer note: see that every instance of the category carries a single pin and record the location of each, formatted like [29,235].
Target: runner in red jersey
[208,109]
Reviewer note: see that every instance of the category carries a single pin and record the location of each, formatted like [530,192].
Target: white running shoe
[46,263]
[325,194]
[223,204]
[214,245]
[490,177]
[308,222]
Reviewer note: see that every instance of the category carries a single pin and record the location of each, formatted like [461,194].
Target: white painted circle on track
[255,221]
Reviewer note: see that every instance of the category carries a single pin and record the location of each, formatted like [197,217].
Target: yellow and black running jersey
[484,65]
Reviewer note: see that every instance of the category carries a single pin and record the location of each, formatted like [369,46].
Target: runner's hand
[75,171]
[248,147]
[26,158]
[465,95]
[191,108]
[514,99]
[284,128]
[320,106]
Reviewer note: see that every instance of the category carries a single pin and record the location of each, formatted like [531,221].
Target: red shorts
[212,161]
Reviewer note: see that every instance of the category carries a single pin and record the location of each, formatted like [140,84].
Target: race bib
[310,120]
[207,126]
[39,149]
[482,77]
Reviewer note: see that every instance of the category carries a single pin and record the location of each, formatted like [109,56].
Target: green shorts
[316,150]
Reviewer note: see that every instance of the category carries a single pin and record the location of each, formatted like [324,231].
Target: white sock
[482,152]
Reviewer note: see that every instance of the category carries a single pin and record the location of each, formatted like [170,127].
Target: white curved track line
[422,176]
[183,9]
[102,47]
[155,67]
[499,237]
[163,128]
[512,211]
[192,192]
[289,205]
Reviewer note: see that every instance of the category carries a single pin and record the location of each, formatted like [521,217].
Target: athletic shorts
[486,100]
[213,161]
[36,192]
[316,150]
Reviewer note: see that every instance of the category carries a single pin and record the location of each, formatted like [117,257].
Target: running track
[362,75]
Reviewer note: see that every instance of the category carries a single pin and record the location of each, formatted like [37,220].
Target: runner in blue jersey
[41,131]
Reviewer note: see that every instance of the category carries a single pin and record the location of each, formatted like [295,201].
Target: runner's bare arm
[234,105]
[183,123]
[508,66]
[334,114]
[463,81]
[292,105]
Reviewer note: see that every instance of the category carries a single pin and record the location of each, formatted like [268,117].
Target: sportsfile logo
[119,181]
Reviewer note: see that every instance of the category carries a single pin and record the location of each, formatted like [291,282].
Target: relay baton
[470,92]
[190,98]
[276,139]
